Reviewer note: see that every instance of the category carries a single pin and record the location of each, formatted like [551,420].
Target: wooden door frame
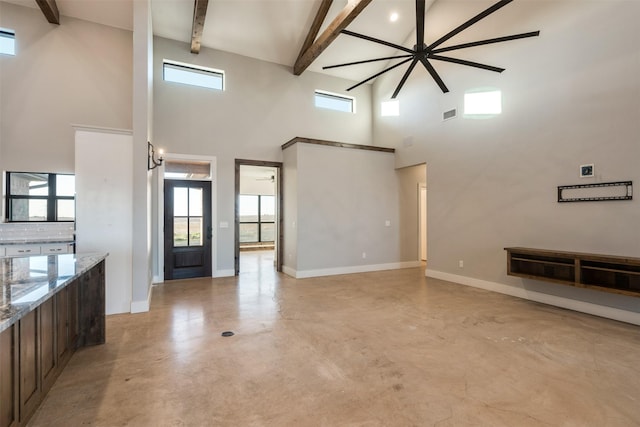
[280,238]
[158,195]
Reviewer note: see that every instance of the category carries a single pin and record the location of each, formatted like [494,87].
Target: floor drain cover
[227,334]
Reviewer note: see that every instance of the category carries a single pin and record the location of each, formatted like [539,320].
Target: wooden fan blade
[372,39]
[366,61]
[420,25]
[469,63]
[380,73]
[434,74]
[488,41]
[470,22]
[404,78]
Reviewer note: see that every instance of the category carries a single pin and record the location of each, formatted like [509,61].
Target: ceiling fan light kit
[423,53]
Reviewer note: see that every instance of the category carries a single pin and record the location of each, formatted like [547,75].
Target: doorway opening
[258,218]
[422,217]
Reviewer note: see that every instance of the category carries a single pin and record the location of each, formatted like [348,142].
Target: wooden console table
[620,275]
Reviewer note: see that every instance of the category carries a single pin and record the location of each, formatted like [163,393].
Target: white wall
[263,106]
[142,133]
[76,72]
[290,209]
[104,211]
[570,97]
[343,199]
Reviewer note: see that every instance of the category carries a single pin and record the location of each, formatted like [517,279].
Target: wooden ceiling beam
[199,15]
[344,18]
[315,27]
[50,10]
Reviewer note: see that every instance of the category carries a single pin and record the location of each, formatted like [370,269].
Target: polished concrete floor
[389,348]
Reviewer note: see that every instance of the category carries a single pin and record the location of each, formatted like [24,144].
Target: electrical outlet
[364,255]
[461,263]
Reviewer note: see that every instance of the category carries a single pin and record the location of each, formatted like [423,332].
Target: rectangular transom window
[335,102]
[486,102]
[7,42]
[194,75]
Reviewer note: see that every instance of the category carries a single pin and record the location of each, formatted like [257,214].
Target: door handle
[209,232]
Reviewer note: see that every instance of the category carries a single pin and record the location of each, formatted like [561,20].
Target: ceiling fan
[271,178]
[423,53]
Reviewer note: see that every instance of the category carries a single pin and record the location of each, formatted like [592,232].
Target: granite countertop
[27,282]
[34,242]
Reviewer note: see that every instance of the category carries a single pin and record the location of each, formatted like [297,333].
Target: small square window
[7,42]
[193,75]
[332,101]
[390,108]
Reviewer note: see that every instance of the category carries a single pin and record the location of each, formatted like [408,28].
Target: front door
[187,229]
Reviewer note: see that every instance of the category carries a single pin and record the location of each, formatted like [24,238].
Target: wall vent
[451,114]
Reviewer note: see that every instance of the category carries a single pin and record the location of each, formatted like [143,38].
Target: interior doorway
[258,218]
[422,215]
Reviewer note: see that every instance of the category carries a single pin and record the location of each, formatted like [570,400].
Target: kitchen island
[51,305]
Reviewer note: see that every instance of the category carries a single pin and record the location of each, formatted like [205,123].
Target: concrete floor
[389,348]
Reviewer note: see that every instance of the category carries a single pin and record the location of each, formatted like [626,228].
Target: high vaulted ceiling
[275,30]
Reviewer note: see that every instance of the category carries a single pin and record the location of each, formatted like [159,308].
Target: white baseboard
[142,306]
[571,304]
[349,270]
[289,271]
[224,273]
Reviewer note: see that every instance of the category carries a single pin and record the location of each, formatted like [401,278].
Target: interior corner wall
[570,97]
[142,133]
[290,209]
[263,106]
[344,199]
[77,72]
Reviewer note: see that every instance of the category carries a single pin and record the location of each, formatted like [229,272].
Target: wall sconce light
[152,163]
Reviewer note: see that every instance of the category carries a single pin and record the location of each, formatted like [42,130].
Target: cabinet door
[8,377]
[22,250]
[48,358]
[72,303]
[29,372]
[62,323]
[55,248]
[91,304]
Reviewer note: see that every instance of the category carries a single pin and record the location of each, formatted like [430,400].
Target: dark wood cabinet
[9,377]
[35,349]
[91,304]
[62,324]
[48,329]
[607,273]
[29,366]
[72,320]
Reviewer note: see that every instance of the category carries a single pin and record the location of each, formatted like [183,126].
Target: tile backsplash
[36,232]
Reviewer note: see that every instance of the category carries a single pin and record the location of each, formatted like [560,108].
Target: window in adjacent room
[257,218]
[335,102]
[35,196]
[483,102]
[7,42]
[194,75]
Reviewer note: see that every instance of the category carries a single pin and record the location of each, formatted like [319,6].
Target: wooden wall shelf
[607,273]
